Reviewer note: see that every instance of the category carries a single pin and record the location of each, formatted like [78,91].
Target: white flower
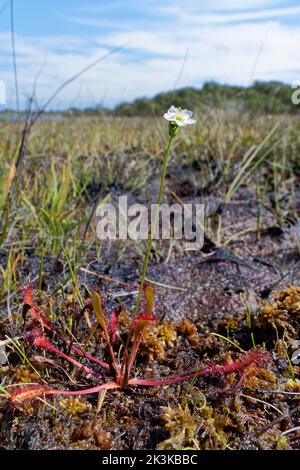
[179,116]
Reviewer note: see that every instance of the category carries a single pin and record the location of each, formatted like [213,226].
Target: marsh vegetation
[239,293]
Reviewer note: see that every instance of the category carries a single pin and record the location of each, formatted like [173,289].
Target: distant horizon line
[99,106]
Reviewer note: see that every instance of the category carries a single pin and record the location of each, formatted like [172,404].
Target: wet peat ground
[217,289]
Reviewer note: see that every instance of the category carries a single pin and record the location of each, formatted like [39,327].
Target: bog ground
[240,292]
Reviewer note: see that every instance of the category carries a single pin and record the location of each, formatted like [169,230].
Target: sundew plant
[118,371]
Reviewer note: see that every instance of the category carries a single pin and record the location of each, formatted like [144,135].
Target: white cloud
[191,16]
[152,60]
[216,12]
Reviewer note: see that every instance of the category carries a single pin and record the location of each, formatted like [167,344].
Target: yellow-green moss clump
[205,428]
[182,426]
[189,330]
[257,377]
[26,375]
[157,340]
[75,405]
[289,299]
[282,312]
[287,302]
[293,386]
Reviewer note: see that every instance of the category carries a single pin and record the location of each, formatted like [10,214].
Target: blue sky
[167,43]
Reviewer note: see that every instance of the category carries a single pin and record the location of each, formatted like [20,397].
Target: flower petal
[187,114]
[181,117]
[169,117]
[180,123]
[173,110]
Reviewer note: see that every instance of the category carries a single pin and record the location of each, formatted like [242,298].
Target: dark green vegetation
[261,97]
[245,167]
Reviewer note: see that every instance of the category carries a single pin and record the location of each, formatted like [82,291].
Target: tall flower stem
[172,132]
[177,118]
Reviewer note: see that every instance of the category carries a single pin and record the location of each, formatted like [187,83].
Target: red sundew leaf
[137,330]
[142,323]
[113,325]
[143,318]
[146,317]
[29,392]
[28,296]
[37,314]
[37,334]
[45,323]
[87,391]
[88,356]
[257,358]
[42,342]
[45,360]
